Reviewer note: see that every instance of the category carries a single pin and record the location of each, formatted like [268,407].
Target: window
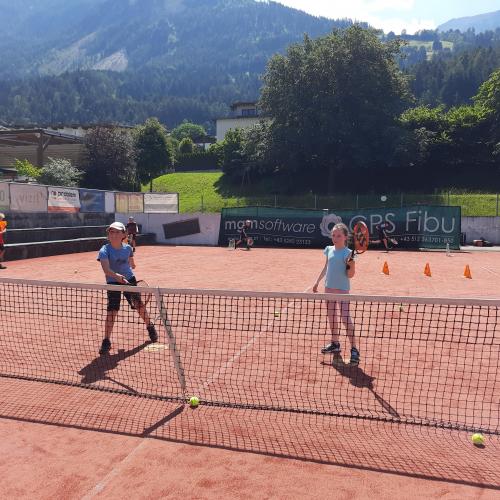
[249,112]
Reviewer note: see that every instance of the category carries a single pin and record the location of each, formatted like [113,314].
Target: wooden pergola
[38,138]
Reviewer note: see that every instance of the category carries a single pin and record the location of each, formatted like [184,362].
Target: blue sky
[395,15]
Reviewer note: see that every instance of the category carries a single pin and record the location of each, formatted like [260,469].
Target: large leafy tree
[188,129]
[154,156]
[333,103]
[109,161]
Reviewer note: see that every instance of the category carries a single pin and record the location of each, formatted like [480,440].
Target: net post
[171,341]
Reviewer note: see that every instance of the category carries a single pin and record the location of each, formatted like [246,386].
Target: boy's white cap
[118,226]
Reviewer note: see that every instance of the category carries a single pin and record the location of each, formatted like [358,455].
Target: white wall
[223,125]
[153,223]
[481,227]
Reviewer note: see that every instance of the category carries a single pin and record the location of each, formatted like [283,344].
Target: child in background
[3,230]
[244,236]
[132,231]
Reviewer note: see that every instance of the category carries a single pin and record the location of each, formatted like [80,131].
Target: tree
[332,101]
[488,100]
[60,172]
[109,159]
[154,156]
[186,146]
[26,169]
[232,154]
[188,129]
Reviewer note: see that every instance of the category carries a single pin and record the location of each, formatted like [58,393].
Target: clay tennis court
[73,442]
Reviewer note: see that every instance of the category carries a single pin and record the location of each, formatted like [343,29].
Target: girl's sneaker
[331,348]
[105,346]
[354,357]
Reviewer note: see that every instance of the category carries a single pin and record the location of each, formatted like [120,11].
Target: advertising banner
[4,196]
[136,202]
[28,198]
[92,200]
[121,203]
[419,226]
[62,199]
[161,203]
[109,202]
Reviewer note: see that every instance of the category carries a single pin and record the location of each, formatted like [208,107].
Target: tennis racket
[250,242]
[360,240]
[142,297]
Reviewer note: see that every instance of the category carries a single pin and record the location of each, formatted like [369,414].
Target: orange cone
[467,273]
[385,269]
[427,270]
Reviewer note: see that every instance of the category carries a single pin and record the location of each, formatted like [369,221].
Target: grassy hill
[208,192]
[428,46]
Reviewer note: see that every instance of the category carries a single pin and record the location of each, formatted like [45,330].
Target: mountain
[480,23]
[90,61]
[42,37]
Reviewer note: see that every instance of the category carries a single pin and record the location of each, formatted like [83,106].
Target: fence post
[448,198]
[357,201]
[402,197]
[316,202]
[275,201]
[498,195]
[202,202]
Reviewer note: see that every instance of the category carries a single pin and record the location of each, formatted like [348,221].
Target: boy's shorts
[114,298]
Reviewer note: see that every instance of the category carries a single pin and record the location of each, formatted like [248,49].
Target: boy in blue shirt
[117,262]
[339,269]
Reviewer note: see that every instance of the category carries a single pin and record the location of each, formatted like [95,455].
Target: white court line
[490,270]
[99,487]
[115,471]
[247,346]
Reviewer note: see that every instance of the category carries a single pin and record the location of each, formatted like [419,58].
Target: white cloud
[398,24]
[389,15]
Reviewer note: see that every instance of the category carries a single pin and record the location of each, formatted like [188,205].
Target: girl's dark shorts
[114,298]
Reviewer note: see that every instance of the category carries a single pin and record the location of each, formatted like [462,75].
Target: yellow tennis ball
[194,401]
[477,439]
[277,314]
[401,308]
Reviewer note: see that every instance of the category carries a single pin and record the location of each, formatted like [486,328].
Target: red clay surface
[67,442]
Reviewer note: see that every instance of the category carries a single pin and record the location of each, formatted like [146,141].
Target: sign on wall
[63,199]
[420,226]
[28,198]
[161,203]
[121,203]
[92,200]
[4,196]
[136,202]
[109,202]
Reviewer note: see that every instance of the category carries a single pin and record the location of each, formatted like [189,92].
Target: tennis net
[423,361]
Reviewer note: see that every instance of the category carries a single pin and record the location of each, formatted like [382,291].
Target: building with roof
[243,114]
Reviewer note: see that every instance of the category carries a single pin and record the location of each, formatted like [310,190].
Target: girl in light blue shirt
[339,268]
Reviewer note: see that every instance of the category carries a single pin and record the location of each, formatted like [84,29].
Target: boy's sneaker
[105,346]
[152,333]
[354,357]
[2,266]
[331,348]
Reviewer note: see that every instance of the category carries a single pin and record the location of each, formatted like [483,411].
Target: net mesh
[424,361]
